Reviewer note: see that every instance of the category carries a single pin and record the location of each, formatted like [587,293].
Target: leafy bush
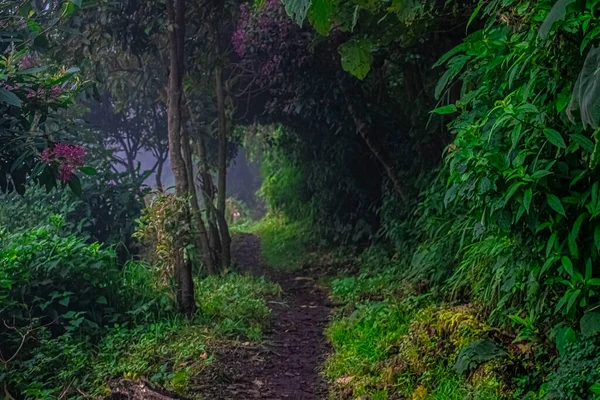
[578,372]
[58,279]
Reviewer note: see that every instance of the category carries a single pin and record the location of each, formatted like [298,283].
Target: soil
[286,365]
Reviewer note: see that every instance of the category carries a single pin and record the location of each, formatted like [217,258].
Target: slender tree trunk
[158,176]
[222,168]
[208,195]
[207,256]
[176,33]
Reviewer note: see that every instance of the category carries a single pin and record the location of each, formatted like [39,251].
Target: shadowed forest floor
[286,364]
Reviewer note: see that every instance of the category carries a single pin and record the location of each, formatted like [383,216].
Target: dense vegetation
[439,160]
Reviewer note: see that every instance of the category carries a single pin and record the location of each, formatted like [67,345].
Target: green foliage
[73,320]
[283,243]
[477,352]
[234,305]
[577,372]
[400,345]
[106,210]
[356,57]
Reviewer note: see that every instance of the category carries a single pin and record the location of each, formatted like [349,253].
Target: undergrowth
[74,320]
[284,243]
[392,339]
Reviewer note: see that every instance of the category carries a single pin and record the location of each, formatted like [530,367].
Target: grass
[157,346]
[391,342]
[283,243]
[234,305]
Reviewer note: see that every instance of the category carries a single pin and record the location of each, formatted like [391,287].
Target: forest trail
[286,364]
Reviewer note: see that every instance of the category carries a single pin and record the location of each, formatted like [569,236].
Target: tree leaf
[9,98]
[89,171]
[527,196]
[555,138]
[449,109]
[356,57]
[567,265]
[558,12]
[540,174]
[564,337]
[296,9]
[555,203]
[320,15]
[75,185]
[590,324]
[583,142]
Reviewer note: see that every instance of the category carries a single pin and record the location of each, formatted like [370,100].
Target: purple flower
[72,154]
[65,172]
[67,156]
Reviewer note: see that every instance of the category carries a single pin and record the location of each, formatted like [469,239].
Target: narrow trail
[285,365]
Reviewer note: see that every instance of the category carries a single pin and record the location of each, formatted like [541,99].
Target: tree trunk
[208,195]
[202,235]
[159,169]
[183,268]
[222,168]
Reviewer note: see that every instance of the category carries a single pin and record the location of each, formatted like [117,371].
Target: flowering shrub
[67,157]
[270,43]
[30,95]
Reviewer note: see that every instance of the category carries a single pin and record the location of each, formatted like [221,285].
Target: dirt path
[286,365]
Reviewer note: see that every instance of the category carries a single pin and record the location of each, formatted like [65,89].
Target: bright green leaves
[555,138]
[527,196]
[356,57]
[449,109]
[320,15]
[555,203]
[556,14]
[455,65]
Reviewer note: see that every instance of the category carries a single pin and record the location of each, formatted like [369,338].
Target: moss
[412,356]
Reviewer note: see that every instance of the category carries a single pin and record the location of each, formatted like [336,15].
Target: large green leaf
[356,57]
[555,203]
[590,324]
[555,138]
[297,9]
[564,336]
[476,353]
[9,98]
[557,13]
[320,15]
[449,109]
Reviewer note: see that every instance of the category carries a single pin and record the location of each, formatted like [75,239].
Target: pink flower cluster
[67,156]
[48,95]
[240,36]
[28,61]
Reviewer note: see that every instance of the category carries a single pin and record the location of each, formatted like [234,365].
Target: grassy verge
[283,243]
[391,341]
[89,322]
